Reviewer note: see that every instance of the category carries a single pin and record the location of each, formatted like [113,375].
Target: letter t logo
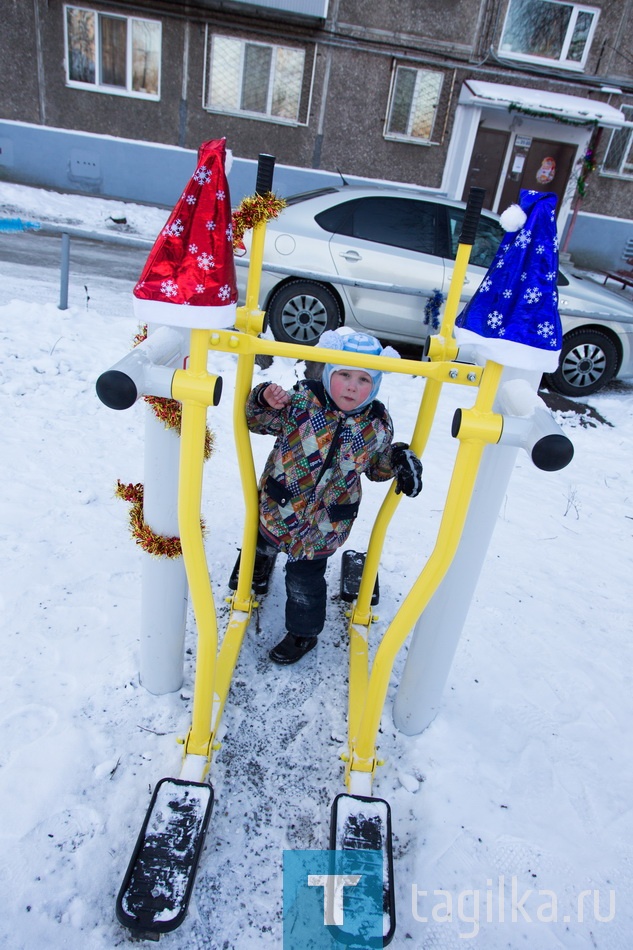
[333,885]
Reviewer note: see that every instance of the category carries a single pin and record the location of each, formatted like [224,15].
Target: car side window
[487,240]
[397,222]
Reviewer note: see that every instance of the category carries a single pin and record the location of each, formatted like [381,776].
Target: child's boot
[292,648]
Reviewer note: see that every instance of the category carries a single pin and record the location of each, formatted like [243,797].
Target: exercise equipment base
[352,564]
[155,893]
[359,822]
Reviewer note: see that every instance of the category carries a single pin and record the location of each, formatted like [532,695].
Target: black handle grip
[117,390]
[265,169]
[471,217]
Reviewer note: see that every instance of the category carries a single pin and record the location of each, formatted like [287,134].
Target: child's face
[350,388]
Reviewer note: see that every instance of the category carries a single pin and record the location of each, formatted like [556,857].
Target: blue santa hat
[351,342]
[512,317]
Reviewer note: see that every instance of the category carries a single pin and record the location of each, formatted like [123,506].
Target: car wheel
[588,361]
[300,312]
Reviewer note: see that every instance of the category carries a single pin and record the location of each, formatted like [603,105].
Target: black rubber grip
[265,169]
[471,217]
[116,390]
[552,452]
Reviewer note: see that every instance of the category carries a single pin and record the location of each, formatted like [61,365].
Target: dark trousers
[306,592]
[306,596]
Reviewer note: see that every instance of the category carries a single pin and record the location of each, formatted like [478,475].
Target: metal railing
[66,233]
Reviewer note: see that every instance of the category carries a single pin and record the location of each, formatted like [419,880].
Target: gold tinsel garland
[169,412]
[253,210]
[152,543]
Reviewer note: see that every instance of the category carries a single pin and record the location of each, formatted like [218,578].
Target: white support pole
[164,580]
[164,588]
[437,632]
[149,370]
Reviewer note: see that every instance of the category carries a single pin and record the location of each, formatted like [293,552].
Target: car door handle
[350,256]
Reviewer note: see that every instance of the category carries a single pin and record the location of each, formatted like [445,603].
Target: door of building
[486,163]
[538,165]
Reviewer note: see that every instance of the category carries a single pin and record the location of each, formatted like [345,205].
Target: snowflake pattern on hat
[189,277]
[513,317]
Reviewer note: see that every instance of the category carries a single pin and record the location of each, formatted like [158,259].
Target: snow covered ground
[513,809]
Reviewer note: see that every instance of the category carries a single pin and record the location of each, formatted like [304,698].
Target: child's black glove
[408,469]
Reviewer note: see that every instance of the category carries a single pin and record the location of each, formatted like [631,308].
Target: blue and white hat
[360,343]
[512,317]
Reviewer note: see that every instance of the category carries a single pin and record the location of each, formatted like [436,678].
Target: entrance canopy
[537,102]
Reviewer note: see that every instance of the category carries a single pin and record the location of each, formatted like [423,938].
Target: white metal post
[437,632]
[164,587]
[164,580]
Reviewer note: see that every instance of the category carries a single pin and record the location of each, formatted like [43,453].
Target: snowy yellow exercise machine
[158,883]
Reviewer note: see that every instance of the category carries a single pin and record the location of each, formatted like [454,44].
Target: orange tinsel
[152,543]
[254,210]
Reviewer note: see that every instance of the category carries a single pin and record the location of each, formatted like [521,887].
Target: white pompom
[513,218]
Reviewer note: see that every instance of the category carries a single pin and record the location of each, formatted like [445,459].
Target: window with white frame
[546,31]
[259,80]
[112,53]
[413,103]
[618,159]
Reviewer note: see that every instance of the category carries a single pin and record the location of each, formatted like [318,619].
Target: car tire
[301,311]
[588,361]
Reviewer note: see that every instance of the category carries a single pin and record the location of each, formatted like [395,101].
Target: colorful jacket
[310,489]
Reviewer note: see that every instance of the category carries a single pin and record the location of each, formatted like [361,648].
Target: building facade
[442,94]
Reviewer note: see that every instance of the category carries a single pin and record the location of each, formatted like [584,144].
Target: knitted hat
[361,343]
[189,278]
[512,317]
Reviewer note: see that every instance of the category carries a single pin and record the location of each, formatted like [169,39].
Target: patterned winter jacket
[310,489]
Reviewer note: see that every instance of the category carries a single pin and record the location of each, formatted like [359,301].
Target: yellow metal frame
[367,692]
[195,388]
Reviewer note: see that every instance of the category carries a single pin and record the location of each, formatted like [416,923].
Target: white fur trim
[508,352]
[185,315]
[513,218]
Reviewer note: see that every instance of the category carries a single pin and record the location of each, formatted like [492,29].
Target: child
[328,433]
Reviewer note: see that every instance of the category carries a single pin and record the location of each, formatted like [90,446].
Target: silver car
[381,260]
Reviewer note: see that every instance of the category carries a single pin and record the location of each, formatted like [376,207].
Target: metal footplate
[264,564]
[157,886]
[362,823]
[352,564]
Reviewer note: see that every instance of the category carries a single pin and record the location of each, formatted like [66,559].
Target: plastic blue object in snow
[17,224]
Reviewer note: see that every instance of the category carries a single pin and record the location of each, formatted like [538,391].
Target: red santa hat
[189,277]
